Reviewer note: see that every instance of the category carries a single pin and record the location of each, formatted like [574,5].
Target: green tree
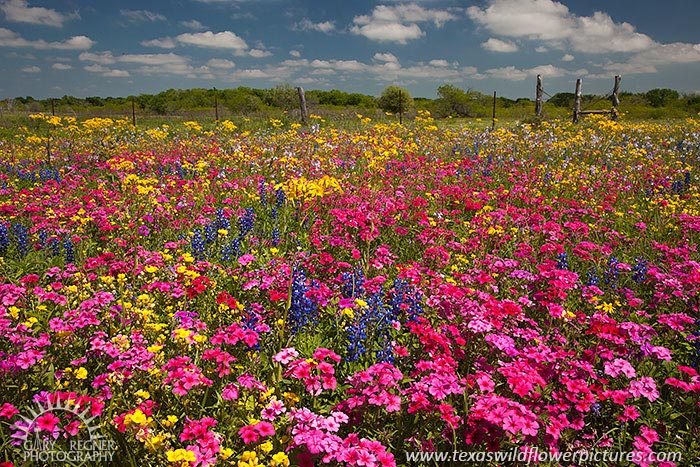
[395,100]
[660,97]
[454,101]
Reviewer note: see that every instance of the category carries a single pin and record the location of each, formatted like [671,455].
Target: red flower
[47,422]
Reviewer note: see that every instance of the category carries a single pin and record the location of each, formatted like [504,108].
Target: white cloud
[209,39]
[552,22]
[193,25]
[497,45]
[154,59]
[107,72]
[31,69]
[541,49]
[61,66]
[398,23]
[152,63]
[306,24]
[440,63]
[221,63]
[11,39]
[511,73]
[386,57]
[567,58]
[295,53]
[259,53]
[141,16]
[162,43]
[19,11]
[103,58]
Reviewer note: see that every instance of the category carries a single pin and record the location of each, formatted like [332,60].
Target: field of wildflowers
[317,296]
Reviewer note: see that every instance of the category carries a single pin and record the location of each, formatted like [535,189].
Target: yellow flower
[280,459]
[266,447]
[143,394]
[179,455]
[348,312]
[81,373]
[361,303]
[150,269]
[170,421]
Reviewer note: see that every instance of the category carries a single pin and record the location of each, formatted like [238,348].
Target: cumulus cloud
[106,72]
[295,53]
[12,39]
[19,11]
[439,62]
[497,45]
[221,63]
[306,24]
[161,43]
[31,69]
[552,22]
[259,53]
[567,58]
[386,57]
[209,39]
[193,25]
[61,66]
[511,73]
[398,23]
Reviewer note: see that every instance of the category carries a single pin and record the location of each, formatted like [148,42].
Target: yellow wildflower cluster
[303,189]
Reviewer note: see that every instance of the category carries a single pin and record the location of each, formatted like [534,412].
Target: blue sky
[105,48]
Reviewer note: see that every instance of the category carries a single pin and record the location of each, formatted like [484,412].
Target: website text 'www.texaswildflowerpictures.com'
[535,456]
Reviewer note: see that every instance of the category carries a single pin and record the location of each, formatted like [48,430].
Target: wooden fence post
[216,106]
[538,96]
[302,104]
[615,97]
[577,101]
[493,116]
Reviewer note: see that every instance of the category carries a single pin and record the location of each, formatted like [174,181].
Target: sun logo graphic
[62,432]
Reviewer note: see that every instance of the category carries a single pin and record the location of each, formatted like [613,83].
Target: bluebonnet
[592,277]
[302,310]
[639,271]
[210,233]
[197,244]
[55,246]
[611,274]
[383,317]
[4,238]
[405,299]
[262,190]
[275,236]
[563,261]
[69,250]
[22,237]
[280,197]
[246,223]
[221,221]
[353,284]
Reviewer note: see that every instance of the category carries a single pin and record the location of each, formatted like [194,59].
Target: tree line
[451,101]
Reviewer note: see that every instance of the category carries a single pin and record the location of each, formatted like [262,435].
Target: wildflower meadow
[316,295]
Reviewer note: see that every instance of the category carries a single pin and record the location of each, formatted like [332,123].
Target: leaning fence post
[538,97]
[302,104]
[577,101]
[615,97]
